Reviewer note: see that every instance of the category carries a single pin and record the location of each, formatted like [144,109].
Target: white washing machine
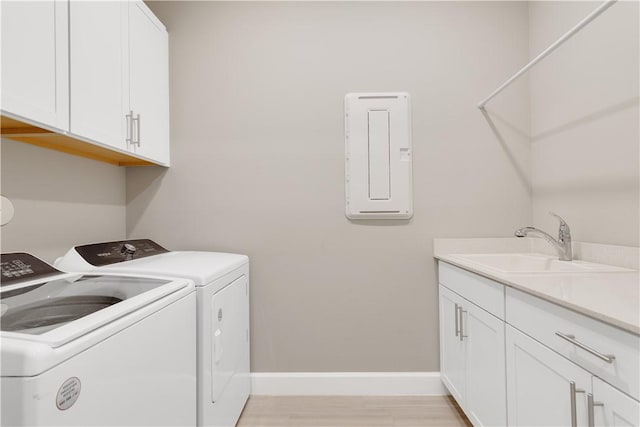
[222,290]
[94,350]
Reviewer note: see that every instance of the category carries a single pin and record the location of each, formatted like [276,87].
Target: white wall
[60,200]
[585,121]
[258,164]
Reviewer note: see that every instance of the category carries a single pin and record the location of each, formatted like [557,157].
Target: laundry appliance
[107,349]
[222,290]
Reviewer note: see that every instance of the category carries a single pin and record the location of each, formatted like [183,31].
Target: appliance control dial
[128,249]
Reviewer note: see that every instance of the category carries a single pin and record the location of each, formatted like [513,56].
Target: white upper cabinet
[99,83]
[93,74]
[120,77]
[149,83]
[35,58]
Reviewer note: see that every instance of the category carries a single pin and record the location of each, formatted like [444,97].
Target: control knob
[128,250]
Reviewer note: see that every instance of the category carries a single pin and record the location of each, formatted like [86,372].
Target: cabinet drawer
[543,320]
[481,291]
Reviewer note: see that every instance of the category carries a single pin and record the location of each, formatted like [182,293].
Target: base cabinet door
[609,407]
[451,345]
[543,388]
[483,333]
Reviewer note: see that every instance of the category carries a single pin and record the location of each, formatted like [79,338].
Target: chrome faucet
[562,245]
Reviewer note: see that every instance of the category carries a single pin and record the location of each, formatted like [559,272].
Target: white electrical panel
[378,156]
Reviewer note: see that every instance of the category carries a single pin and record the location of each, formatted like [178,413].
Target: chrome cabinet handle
[136,119]
[129,118]
[572,399]
[591,419]
[457,321]
[462,335]
[609,358]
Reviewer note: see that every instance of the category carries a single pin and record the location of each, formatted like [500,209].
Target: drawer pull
[609,358]
[457,321]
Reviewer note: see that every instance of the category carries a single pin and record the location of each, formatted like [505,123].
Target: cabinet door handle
[136,119]
[609,358]
[590,410]
[457,321]
[462,335]
[572,399]
[129,118]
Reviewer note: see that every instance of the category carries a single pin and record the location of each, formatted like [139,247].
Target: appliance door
[230,334]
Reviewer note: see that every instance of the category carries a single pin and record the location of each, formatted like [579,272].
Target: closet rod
[593,15]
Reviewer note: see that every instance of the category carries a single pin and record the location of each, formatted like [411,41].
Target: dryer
[222,291]
[94,350]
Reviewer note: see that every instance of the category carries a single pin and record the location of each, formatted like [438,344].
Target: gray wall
[60,200]
[258,164]
[257,146]
[584,122]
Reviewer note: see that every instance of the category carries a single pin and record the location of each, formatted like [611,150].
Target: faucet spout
[562,245]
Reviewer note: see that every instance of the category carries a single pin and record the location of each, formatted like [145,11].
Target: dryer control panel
[21,266]
[100,254]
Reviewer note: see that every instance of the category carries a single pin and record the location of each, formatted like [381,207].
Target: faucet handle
[564,230]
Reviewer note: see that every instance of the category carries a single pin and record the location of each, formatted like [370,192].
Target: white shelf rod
[593,15]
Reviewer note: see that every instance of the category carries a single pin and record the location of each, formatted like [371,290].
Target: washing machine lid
[56,310]
[199,266]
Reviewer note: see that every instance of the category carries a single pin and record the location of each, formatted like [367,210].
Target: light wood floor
[344,411]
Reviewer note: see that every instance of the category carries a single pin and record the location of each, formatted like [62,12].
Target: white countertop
[611,297]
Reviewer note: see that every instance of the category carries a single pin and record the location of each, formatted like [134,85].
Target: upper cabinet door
[149,83]
[99,81]
[35,55]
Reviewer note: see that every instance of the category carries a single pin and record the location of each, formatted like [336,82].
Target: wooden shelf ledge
[24,132]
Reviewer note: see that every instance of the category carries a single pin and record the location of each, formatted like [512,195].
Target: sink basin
[533,263]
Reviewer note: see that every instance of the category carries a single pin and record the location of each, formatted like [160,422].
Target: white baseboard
[347,384]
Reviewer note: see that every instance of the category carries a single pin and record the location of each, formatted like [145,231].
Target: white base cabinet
[452,348]
[509,358]
[485,390]
[609,407]
[472,358]
[544,388]
[538,377]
